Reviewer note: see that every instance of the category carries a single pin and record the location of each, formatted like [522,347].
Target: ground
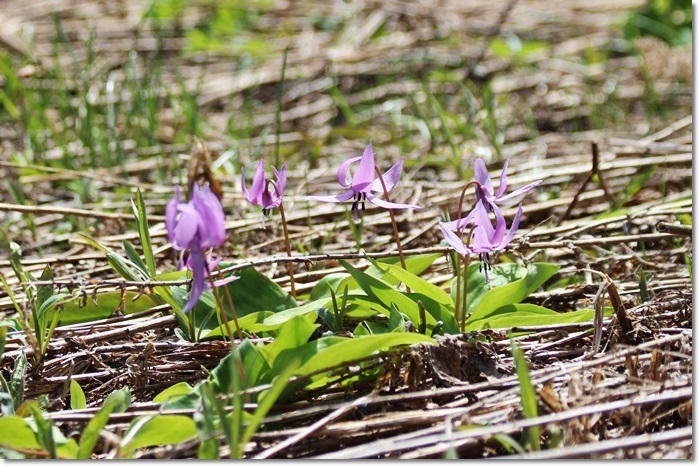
[100,99]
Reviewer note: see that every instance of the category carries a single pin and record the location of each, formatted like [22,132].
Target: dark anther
[354,205]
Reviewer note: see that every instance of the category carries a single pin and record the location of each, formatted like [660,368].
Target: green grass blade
[528,396]
[144,234]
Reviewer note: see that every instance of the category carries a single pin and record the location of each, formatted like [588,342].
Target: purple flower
[260,193]
[484,190]
[197,225]
[485,237]
[362,185]
[486,194]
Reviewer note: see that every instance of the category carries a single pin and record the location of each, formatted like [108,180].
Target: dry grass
[624,393]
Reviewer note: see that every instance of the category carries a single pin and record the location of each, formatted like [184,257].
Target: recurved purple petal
[198,263]
[459,223]
[454,241]
[364,176]
[171,214]
[212,214]
[343,171]
[389,205]
[481,175]
[481,243]
[391,178]
[345,196]
[513,228]
[186,228]
[281,179]
[482,219]
[520,190]
[258,186]
[504,179]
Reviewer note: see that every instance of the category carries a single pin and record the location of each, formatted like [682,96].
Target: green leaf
[267,401]
[527,314]
[415,264]
[44,431]
[436,301]
[77,396]
[528,396]
[121,265]
[248,322]
[3,339]
[17,433]
[44,292]
[386,294]
[91,433]
[295,333]
[17,380]
[134,257]
[157,430]
[174,391]
[330,282]
[513,292]
[277,320]
[144,234]
[331,352]
[86,310]
[120,398]
[253,292]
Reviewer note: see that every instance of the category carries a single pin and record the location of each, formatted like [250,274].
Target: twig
[595,170]
[339,412]
[73,212]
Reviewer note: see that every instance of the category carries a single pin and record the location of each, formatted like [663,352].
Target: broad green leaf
[174,391]
[77,396]
[436,301]
[295,333]
[330,282]
[120,398]
[513,292]
[277,320]
[157,430]
[85,310]
[253,292]
[17,433]
[415,264]
[528,396]
[266,401]
[247,323]
[254,363]
[527,314]
[91,433]
[144,234]
[333,351]
[418,284]
[386,294]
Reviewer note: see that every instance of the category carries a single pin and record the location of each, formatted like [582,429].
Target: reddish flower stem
[393,218]
[223,312]
[458,297]
[287,244]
